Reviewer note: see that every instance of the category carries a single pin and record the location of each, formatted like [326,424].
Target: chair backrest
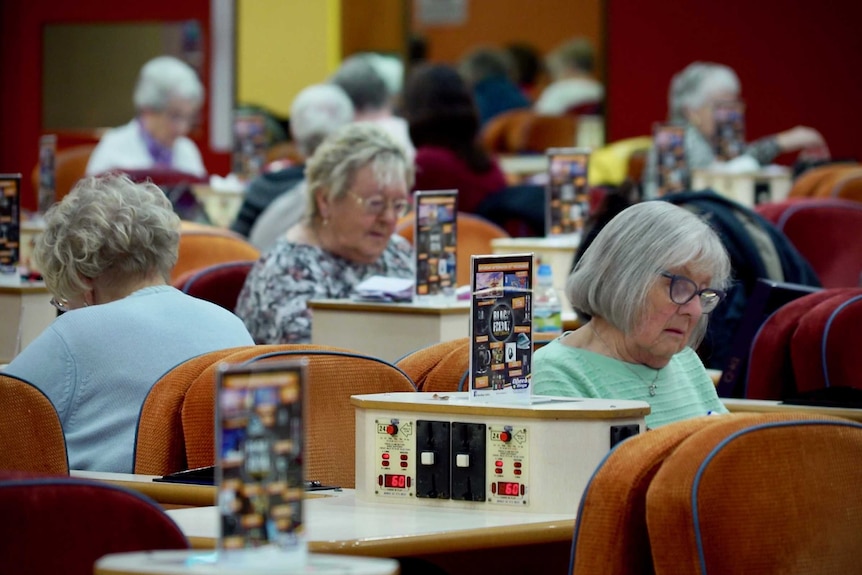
[70,164]
[200,247]
[160,443]
[31,436]
[611,164]
[439,367]
[777,494]
[819,181]
[543,132]
[826,232]
[848,186]
[610,531]
[474,237]
[502,133]
[63,525]
[218,283]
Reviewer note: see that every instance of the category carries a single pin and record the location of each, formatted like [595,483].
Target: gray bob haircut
[360,79]
[691,87]
[164,78]
[617,271]
[334,165]
[315,113]
[107,227]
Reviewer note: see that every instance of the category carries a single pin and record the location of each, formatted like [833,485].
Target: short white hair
[318,111]
[164,78]
[690,88]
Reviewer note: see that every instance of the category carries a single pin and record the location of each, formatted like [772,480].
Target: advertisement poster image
[671,162]
[47,193]
[728,140]
[10,222]
[259,437]
[501,338]
[250,141]
[436,234]
[568,193]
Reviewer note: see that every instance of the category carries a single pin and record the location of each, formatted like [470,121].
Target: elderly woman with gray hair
[106,255]
[358,182]
[647,283]
[168,96]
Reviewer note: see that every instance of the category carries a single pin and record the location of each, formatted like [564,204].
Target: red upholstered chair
[825,346]
[826,231]
[63,525]
[31,437]
[770,370]
[770,495]
[439,367]
[218,283]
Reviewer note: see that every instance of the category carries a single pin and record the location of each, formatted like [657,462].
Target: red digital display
[399,481]
[508,488]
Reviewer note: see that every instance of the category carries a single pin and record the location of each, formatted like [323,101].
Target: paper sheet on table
[382,288]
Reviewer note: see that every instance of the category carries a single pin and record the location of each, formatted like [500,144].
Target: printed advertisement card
[47,193]
[249,145]
[671,163]
[728,140]
[436,236]
[10,222]
[568,193]
[501,337]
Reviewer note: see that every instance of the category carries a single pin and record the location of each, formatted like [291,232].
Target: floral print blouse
[273,301]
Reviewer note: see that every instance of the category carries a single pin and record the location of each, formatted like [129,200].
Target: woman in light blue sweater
[106,256]
[647,284]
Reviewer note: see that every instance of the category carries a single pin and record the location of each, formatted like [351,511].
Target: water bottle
[547,310]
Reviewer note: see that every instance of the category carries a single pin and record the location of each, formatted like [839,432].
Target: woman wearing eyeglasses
[647,283]
[357,182]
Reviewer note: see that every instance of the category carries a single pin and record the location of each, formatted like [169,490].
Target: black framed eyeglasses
[683,290]
[60,304]
[377,205]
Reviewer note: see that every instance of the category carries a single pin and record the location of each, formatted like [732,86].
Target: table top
[167,494]
[344,525]
[567,243]
[421,307]
[184,562]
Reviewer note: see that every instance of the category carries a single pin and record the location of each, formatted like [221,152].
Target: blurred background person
[358,182]
[444,126]
[316,112]
[106,255]
[573,87]
[488,73]
[528,72]
[646,285]
[370,91]
[168,97]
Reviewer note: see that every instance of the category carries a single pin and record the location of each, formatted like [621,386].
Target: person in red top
[444,127]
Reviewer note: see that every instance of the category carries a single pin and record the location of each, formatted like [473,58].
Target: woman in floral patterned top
[358,182]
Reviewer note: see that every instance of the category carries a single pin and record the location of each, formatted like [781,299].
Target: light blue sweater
[98,363]
[683,387]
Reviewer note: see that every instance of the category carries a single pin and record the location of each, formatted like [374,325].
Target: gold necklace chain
[651,386]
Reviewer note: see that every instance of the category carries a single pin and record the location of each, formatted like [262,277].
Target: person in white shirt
[167,97]
[573,86]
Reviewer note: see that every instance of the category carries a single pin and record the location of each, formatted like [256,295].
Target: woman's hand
[807,140]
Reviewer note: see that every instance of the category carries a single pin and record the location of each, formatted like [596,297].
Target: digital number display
[399,481]
[508,488]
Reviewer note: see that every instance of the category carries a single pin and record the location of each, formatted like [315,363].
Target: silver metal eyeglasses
[60,304]
[377,205]
[683,290]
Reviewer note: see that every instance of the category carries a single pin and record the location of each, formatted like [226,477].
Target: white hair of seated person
[164,78]
[316,112]
[692,87]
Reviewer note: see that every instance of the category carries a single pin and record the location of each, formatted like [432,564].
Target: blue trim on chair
[698,537]
[750,348]
[464,380]
[211,268]
[826,329]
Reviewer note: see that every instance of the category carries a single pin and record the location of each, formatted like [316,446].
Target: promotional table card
[259,447]
[10,223]
[436,234]
[671,164]
[47,193]
[568,194]
[728,140]
[249,145]
[501,320]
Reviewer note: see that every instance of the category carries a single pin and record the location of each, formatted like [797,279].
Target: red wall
[20,61]
[799,62]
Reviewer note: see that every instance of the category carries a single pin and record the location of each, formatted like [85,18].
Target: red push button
[517,472]
[385,456]
[498,463]
[517,465]
[384,463]
[403,464]
[391,429]
[505,436]
[403,457]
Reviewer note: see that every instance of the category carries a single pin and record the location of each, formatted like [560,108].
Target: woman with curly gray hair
[106,255]
[647,284]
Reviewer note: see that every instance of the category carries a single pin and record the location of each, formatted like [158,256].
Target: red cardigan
[440,169]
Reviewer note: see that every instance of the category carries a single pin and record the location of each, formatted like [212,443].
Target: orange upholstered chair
[826,231]
[69,167]
[610,531]
[203,246]
[439,367]
[31,437]
[63,524]
[160,445]
[819,181]
[474,237]
[775,494]
[542,132]
[502,134]
[218,283]
[848,186]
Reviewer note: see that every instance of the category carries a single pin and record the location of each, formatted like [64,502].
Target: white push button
[426,458]
[462,460]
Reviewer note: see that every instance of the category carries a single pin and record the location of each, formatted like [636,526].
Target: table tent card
[672,171]
[436,236]
[47,193]
[249,145]
[501,324]
[567,190]
[728,140]
[259,472]
[10,223]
